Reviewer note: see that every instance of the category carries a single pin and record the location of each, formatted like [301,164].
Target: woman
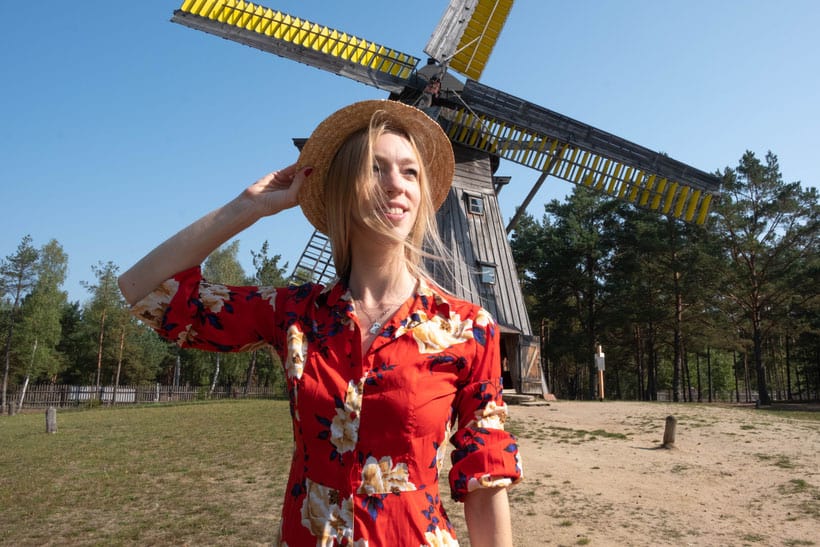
[382,366]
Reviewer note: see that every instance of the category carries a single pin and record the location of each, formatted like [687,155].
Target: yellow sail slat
[570,165]
[268,19]
[670,197]
[599,183]
[580,172]
[636,186]
[680,202]
[194,7]
[593,170]
[613,180]
[647,191]
[627,181]
[656,199]
[704,209]
[693,202]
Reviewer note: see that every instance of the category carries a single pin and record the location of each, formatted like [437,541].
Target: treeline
[47,339]
[731,306]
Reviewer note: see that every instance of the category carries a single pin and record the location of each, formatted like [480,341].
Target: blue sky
[118,127]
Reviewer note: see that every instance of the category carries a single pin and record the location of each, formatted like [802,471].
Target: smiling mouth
[395,211]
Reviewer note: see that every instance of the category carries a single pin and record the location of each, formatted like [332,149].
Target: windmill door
[532,380]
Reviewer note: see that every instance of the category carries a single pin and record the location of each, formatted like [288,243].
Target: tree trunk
[697,373]
[177,369]
[677,359]
[687,374]
[23,393]
[709,371]
[788,371]
[216,376]
[251,370]
[100,351]
[639,362]
[7,360]
[28,377]
[737,383]
[652,366]
[760,368]
[119,368]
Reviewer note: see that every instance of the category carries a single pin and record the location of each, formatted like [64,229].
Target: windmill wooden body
[485,125]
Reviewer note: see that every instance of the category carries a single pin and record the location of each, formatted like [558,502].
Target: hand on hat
[277,191]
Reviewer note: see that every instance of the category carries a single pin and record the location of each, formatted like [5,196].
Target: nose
[391,180]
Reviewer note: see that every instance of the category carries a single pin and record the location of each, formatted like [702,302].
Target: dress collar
[427,297]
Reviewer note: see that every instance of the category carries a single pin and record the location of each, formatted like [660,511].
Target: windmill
[484,125]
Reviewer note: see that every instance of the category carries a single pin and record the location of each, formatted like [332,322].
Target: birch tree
[18,275]
[222,266]
[40,326]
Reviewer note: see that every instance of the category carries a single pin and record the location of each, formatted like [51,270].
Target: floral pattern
[344,429]
[382,477]
[439,538]
[370,430]
[297,351]
[328,517]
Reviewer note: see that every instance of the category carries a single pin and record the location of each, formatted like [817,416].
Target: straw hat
[434,148]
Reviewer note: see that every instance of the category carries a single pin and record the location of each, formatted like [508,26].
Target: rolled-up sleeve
[191,312]
[484,455]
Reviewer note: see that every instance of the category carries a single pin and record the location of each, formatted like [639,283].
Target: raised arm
[270,194]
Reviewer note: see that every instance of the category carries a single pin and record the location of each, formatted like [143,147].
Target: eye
[411,172]
[376,169]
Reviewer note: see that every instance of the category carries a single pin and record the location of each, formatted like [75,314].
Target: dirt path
[595,476]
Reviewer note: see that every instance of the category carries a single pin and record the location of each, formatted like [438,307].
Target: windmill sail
[484,124]
[466,34]
[531,135]
[316,262]
[300,40]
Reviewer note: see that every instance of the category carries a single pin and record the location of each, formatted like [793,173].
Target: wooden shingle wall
[476,239]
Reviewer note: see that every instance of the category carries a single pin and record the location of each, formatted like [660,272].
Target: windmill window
[475,205]
[487,273]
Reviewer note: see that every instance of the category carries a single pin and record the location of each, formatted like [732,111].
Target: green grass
[559,434]
[778,460]
[207,473]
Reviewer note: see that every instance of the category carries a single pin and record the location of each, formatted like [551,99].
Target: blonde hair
[350,190]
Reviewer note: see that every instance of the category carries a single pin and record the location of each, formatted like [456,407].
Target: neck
[377,280]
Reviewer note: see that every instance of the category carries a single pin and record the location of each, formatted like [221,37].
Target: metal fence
[69,396]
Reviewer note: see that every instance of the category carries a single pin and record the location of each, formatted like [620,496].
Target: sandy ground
[595,475]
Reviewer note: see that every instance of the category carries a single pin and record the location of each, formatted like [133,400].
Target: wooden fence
[67,396]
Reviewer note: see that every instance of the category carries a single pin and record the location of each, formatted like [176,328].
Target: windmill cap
[435,150]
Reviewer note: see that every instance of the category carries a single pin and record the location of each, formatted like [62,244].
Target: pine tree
[769,227]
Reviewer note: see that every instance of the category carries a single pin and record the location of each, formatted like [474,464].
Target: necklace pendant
[375,327]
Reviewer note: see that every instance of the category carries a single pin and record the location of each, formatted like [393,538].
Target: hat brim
[318,152]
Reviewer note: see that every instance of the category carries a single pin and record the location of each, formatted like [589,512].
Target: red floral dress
[370,430]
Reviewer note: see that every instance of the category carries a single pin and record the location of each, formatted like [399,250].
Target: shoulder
[450,305]
[314,293]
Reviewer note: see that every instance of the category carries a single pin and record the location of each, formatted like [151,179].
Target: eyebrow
[403,160]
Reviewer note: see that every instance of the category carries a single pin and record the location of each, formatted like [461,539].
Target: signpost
[599,363]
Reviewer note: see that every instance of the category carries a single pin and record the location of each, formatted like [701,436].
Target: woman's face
[396,170]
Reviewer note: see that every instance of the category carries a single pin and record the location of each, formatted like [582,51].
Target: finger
[299,179]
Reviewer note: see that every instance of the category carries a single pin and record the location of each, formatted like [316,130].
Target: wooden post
[669,432]
[600,365]
[51,420]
